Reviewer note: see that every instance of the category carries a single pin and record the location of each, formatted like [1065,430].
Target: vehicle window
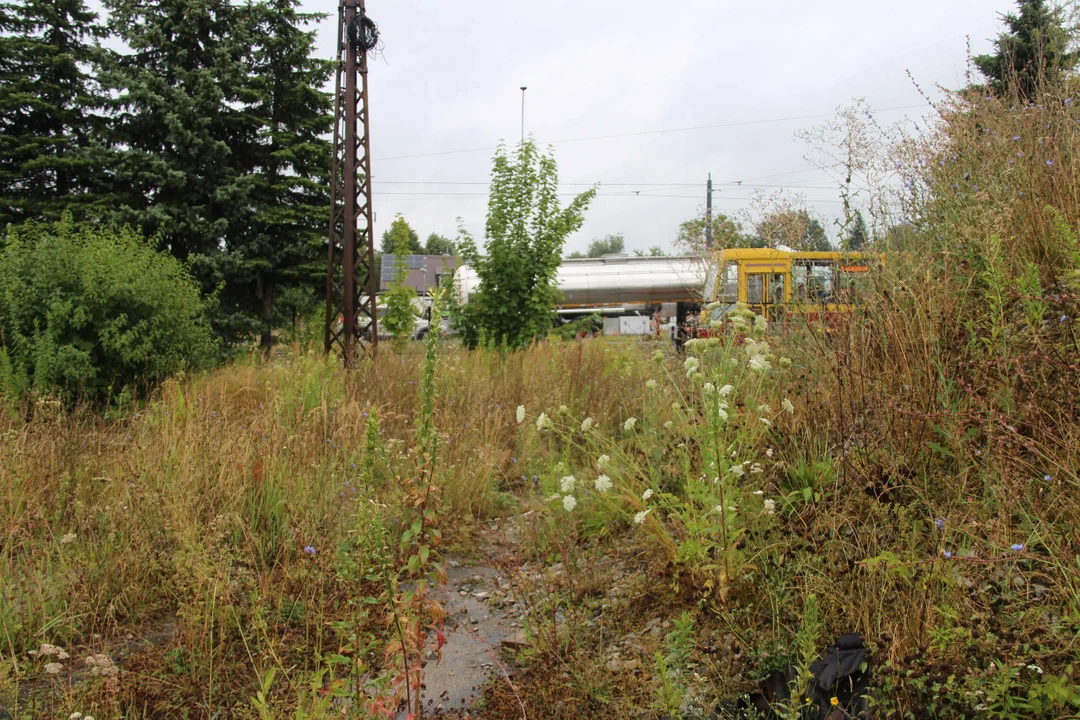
[731,282]
[776,288]
[822,287]
[799,289]
[755,288]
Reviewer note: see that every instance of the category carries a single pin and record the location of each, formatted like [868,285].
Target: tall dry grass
[222,516]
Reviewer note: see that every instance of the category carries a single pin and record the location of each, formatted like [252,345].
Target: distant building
[425,271]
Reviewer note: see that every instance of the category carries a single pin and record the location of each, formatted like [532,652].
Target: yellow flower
[834,701]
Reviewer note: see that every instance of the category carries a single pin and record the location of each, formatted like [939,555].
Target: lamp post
[523,89]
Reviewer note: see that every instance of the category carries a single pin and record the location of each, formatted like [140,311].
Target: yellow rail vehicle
[781,284]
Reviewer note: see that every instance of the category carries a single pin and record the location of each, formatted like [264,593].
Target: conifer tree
[287,161]
[49,110]
[1035,48]
[177,121]
[857,235]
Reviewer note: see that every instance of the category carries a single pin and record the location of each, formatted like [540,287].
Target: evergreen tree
[1034,48]
[389,242]
[48,110]
[857,235]
[177,120]
[286,162]
[439,245]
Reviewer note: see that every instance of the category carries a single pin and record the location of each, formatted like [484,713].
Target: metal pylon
[351,276]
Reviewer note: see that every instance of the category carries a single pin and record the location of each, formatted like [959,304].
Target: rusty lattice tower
[351,276]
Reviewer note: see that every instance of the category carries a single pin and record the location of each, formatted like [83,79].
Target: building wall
[424,271]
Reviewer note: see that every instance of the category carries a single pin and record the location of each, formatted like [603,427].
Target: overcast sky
[450,74]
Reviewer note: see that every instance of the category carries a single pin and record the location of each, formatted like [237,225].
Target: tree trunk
[267,340]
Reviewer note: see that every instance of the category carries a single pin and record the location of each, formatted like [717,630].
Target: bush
[91,312]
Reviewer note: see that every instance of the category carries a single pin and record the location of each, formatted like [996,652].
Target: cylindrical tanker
[615,281]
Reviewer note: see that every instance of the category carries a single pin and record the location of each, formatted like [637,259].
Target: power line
[449,195]
[644,132]
[605,184]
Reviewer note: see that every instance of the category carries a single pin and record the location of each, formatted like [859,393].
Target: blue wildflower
[309,549]
[1015,138]
[1049,163]
[1017,547]
[1064,318]
[940,522]
[947,554]
[1047,478]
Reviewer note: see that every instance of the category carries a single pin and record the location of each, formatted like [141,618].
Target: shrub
[91,312]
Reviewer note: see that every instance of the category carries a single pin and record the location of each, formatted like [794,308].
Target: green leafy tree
[727,233]
[50,116]
[653,251]
[1035,48]
[612,244]
[89,312]
[285,161]
[390,239]
[524,238]
[400,317]
[857,236]
[796,229]
[439,245]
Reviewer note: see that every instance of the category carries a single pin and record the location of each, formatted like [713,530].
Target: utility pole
[523,89]
[708,213]
[352,280]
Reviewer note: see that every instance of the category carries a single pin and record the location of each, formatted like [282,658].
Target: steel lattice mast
[351,276]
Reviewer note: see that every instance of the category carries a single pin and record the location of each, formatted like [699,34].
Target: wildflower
[722,412]
[769,452]
[761,325]
[629,424]
[708,389]
[1063,318]
[940,522]
[75,715]
[766,422]
[69,538]
[54,668]
[309,549]
[759,492]
[1049,163]
[834,701]
[726,390]
[1035,667]
[770,506]
[668,425]
[647,494]
[602,484]
[758,363]
[764,409]
[676,406]
[691,363]
[947,555]
[640,517]
[569,503]
[520,414]
[567,483]
[553,498]
[563,409]
[1017,547]
[789,407]
[650,383]
[737,470]
[543,422]
[101,665]
[1015,138]
[602,462]
[586,424]
[756,469]
[658,357]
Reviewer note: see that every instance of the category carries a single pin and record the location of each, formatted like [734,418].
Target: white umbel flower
[520,414]
[647,494]
[569,502]
[726,390]
[602,484]
[602,462]
[788,406]
[629,424]
[640,517]
[758,363]
[650,383]
[567,484]
[544,422]
[770,506]
[69,538]
[586,424]
[53,668]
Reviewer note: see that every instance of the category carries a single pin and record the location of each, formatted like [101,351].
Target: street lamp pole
[523,89]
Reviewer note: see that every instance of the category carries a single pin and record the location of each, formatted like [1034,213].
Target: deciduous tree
[524,236]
